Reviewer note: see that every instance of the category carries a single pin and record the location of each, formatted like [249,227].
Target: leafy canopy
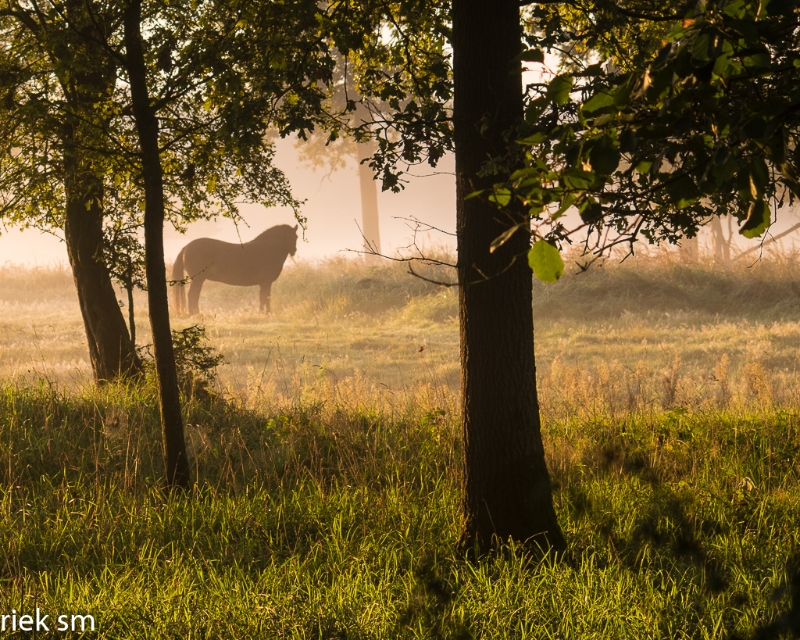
[708,126]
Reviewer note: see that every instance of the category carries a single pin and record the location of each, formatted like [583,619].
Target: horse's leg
[194,295]
[266,292]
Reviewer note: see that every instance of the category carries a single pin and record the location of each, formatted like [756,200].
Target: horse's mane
[276,234]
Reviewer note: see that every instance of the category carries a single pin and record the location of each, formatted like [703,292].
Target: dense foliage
[706,126]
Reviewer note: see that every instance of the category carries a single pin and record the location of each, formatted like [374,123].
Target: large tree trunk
[111,350]
[508,492]
[89,81]
[370,226]
[177,464]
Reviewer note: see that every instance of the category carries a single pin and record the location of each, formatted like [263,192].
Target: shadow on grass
[786,624]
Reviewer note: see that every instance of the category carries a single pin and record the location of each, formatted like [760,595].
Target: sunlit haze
[333,209]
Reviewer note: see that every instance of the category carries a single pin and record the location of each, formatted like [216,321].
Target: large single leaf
[545,261]
[602,101]
[501,196]
[532,55]
[559,89]
[578,179]
[704,48]
[758,219]
[604,156]
[590,211]
[684,192]
[759,174]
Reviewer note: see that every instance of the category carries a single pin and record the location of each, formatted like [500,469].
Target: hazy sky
[333,209]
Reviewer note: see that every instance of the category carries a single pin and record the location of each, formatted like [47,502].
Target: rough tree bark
[370,225]
[111,351]
[508,493]
[177,464]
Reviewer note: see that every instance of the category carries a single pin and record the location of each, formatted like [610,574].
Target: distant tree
[318,153]
[321,152]
[721,242]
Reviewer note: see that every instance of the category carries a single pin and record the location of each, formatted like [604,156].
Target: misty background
[333,209]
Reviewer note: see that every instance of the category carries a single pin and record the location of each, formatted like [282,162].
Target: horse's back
[229,263]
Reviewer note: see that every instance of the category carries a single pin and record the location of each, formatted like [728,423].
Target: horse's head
[293,242]
[278,239]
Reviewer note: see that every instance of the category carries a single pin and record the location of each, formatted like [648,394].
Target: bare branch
[764,243]
[432,281]
[427,227]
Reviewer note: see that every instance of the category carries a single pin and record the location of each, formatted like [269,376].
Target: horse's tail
[178,288]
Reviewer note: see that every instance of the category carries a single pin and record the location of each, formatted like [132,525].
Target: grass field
[654,332]
[328,471]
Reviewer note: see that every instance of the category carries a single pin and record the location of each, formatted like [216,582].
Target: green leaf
[475,194]
[578,179]
[622,96]
[532,55]
[676,33]
[684,192]
[703,47]
[603,100]
[660,82]
[724,167]
[536,138]
[535,109]
[500,197]
[758,220]
[757,60]
[759,174]
[723,64]
[604,156]
[748,192]
[644,166]
[591,211]
[566,203]
[545,261]
[559,89]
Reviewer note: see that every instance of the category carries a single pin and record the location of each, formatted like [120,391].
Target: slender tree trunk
[370,225]
[507,487]
[111,351]
[131,315]
[722,248]
[177,464]
[691,248]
